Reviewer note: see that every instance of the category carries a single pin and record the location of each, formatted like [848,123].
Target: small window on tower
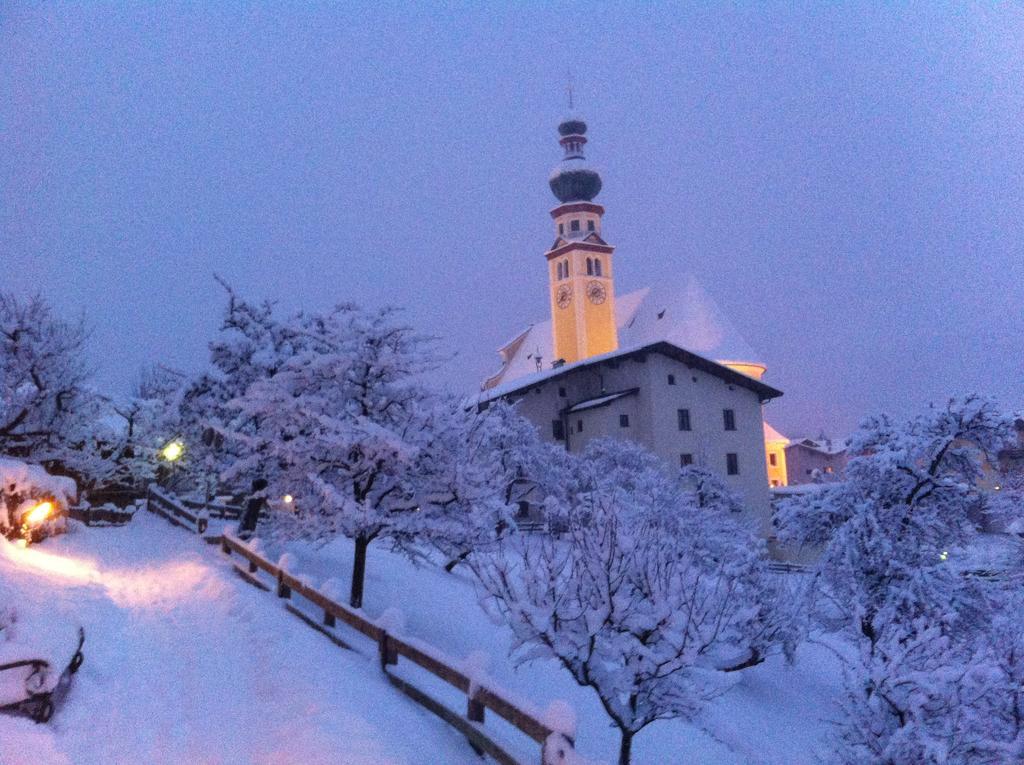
[565,268]
[590,267]
[732,463]
[590,225]
[558,268]
[561,229]
[574,225]
[623,420]
[597,266]
[685,460]
[773,460]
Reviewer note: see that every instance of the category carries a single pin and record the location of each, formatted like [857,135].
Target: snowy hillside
[186,664]
[772,716]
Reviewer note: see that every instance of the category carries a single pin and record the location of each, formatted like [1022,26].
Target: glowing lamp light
[38,514]
[944,555]
[997,487]
[172,451]
[287,499]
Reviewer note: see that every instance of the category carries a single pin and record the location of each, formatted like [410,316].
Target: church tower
[580,261]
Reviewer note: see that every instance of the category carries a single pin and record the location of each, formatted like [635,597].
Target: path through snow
[187,664]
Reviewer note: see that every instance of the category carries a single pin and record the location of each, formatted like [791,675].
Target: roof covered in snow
[771,434]
[682,314]
[766,392]
[823,445]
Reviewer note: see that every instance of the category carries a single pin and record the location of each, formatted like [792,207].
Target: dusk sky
[846,180]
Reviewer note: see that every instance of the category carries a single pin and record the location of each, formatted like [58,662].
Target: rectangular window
[574,225]
[732,463]
[729,417]
[773,460]
[671,379]
[561,229]
[623,420]
[683,416]
[579,426]
[561,393]
[590,225]
[557,431]
[685,459]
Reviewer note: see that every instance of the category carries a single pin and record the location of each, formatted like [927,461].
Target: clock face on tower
[564,296]
[596,292]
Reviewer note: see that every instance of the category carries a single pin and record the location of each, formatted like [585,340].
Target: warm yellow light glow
[38,514]
[287,499]
[173,451]
[944,555]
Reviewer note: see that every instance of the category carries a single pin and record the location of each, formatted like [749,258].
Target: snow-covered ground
[774,715]
[187,664]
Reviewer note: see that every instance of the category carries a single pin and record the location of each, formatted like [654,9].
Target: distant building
[660,366]
[810,460]
[775,452]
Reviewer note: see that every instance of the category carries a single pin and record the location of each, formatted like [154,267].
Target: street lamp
[172,451]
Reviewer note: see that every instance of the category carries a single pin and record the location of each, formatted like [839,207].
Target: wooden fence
[100,516]
[556,747]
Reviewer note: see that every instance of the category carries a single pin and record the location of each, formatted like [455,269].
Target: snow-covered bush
[646,598]
[885,580]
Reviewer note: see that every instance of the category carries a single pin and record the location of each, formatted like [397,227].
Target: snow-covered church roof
[681,313]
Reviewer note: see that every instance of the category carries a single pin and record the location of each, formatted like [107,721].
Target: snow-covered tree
[645,598]
[343,424]
[42,378]
[885,580]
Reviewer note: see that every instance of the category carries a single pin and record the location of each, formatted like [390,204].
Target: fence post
[556,749]
[388,655]
[283,590]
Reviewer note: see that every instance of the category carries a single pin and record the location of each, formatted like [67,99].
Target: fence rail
[176,512]
[555,745]
[100,516]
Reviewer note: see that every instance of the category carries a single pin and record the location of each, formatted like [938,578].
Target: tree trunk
[450,565]
[358,572]
[625,747]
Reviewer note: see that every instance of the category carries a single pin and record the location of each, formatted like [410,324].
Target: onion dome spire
[572,180]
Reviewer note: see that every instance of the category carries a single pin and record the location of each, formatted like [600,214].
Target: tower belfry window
[590,267]
[590,225]
[558,269]
[565,268]
[597,266]
[574,224]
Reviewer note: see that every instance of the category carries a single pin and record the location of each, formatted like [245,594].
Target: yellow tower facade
[580,272]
